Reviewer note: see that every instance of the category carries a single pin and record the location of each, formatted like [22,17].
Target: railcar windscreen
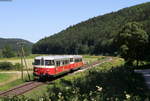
[36,62]
[49,62]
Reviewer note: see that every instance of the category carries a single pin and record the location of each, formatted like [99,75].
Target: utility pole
[21,65]
[22,56]
[19,44]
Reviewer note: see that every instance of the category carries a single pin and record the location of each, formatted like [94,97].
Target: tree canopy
[96,35]
[132,42]
[7,52]
[11,46]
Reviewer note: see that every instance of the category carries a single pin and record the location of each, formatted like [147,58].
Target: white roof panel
[58,57]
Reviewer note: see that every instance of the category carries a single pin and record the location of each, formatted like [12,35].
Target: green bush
[7,52]
[17,66]
[10,66]
[6,65]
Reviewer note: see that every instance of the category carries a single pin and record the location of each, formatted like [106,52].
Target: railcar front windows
[49,62]
[37,62]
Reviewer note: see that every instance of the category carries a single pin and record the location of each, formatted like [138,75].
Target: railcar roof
[58,57]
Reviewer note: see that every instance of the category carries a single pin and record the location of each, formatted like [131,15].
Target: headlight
[47,70]
[35,70]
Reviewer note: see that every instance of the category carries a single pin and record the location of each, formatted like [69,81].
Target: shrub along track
[28,86]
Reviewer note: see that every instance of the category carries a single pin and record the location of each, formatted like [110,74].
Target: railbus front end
[51,66]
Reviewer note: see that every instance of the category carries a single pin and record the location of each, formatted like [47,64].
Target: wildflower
[90,93]
[128,96]
[41,99]
[99,88]
[59,93]
[92,99]
[67,88]
[107,99]
[73,91]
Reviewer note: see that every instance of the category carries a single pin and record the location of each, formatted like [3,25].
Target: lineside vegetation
[110,81]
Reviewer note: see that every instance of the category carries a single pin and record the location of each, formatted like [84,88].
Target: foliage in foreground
[10,66]
[109,82]
[115,84]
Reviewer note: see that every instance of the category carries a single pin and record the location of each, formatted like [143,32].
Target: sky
[35,19]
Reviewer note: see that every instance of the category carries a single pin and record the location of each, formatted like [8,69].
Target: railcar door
[57,66]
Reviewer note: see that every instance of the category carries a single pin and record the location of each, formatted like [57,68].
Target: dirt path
[146,75]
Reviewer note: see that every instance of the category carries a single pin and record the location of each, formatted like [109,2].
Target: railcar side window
[71,59]
[36,62]
[49,62]
[57,63]
[66,61]
[78,60]
[63,62]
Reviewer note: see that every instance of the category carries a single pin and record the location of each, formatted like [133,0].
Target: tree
[132,41]
[27,50]
[7,52]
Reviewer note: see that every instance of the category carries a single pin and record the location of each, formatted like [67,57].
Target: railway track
[21,89]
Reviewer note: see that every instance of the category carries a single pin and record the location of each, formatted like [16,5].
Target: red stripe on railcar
[44,71]
[57,70]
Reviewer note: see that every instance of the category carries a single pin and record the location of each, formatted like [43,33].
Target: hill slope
[13,43]
[95,35]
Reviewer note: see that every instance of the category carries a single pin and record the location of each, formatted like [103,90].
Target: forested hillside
[96,35]
[14,44]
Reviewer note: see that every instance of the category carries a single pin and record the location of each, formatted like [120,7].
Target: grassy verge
[15,83]
[11,84]
[16,58]
[90,59]
[4,77]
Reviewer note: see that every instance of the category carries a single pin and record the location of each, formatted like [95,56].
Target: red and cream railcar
[50,66]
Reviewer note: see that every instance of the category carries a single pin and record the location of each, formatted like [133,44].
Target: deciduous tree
[7,52]
[132,40]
